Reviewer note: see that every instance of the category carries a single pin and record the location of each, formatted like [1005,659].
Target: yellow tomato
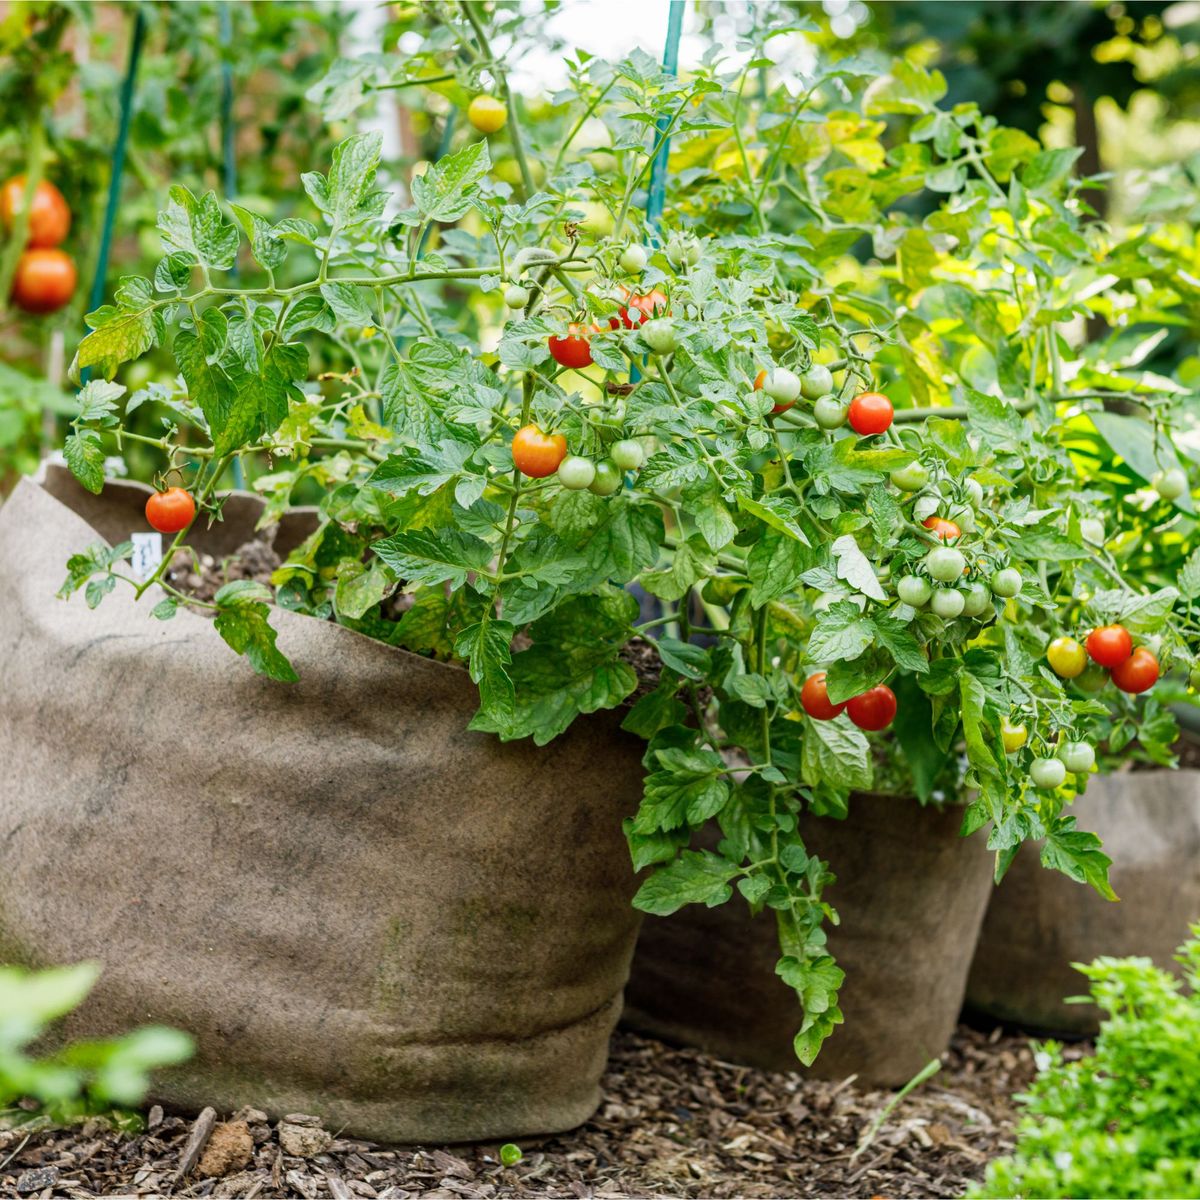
[487,114]
[1013,736]
[1067,657]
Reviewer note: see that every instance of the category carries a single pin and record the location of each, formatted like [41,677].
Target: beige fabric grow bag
[1039,922]
[358,908]
[910,894]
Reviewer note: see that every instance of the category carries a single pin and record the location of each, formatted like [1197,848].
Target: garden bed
[673,1123]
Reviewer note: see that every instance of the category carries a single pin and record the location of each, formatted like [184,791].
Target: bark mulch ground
[673,1123]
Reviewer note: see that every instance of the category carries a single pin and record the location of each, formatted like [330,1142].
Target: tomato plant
[925,571]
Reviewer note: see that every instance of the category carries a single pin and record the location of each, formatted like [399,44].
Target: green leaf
[349,303]
[842,632]
[486,646]
[815,981]
[1189,576]
[199,228]
[346,196]
[269,251]
[1050,168]
[774,566]
[1043,542]
[908,88]
[97,401]
[687,788]
[95,559]
[779,512]
[995,418]
[429,556]
[243,622]
[117,336]
[981,730]
[690,562]
[836,753]
[85,457]
[695,877]
[898,639]
[1077,854]
[360,587]
[855,568]
[573,667]
[259,400]
[913,729]
[656,710]
[422,470]
[447,189]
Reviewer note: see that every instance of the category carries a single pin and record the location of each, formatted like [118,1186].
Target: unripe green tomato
[963,515]
[1077,757]
[659,335]
[825,599]
[816,381]
[911,478]
[608,478]
[974,490]
[914,590]
[516,296]
[1093,530]
[978,600]
[576,473]
[945,564]
[634,259]
[948,603]
[1047,773]
[830,413]
[1171,484]
[782,385]
[1093,679]
[1194,679]
[683,249]
[1006,583]
[627,454]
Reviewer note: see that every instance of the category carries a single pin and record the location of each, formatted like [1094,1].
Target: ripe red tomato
[572,351]
[1138,673]
[943,530]
[875,709]
[1110,645]
[871,412]
[649,305]
[44,282]
[538,454]
[170,511]
[814,696]
[49,215]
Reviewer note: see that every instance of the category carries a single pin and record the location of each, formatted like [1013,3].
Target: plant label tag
[147,554]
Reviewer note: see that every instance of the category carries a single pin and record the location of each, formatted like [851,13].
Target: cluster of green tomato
[946,564]
[603,477]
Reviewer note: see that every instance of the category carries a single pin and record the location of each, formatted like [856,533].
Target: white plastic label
[147,554]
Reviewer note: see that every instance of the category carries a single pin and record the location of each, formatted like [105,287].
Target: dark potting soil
[672,1123]
[204,576]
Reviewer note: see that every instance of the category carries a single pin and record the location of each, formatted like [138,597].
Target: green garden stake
[118,169]
[658,171]
[229,164]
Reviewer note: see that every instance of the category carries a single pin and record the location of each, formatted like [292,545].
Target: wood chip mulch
[673,1123]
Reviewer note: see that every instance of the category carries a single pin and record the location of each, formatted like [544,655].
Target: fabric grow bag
[359,908]
[911,895]
[1039,922]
